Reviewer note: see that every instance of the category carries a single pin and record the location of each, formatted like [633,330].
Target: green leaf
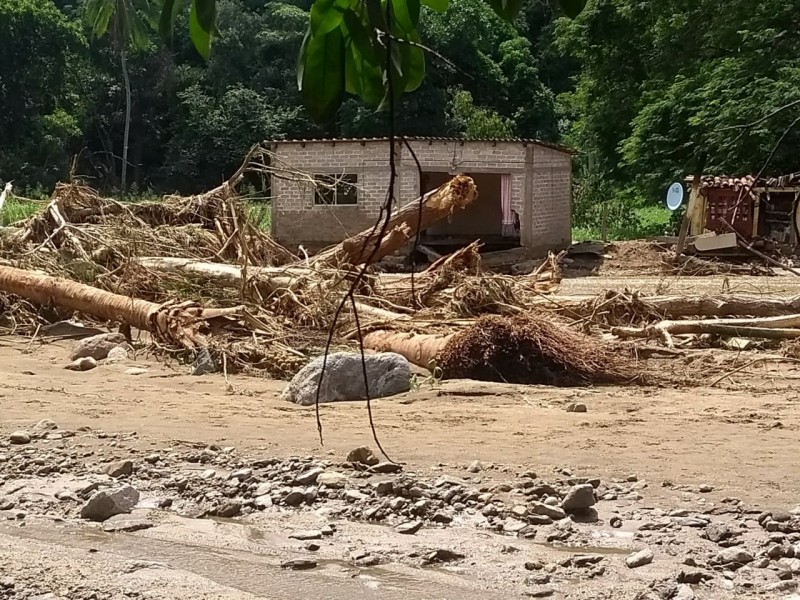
[301,61]
[207,15]
[166,23]
[506,9]
[414,66]
[326,15]
[406,12]
[437,5]
[360,38]
[200,37]
[323,80]
[572,8]
[362,78]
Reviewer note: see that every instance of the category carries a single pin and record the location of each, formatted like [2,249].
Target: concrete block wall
[539,174]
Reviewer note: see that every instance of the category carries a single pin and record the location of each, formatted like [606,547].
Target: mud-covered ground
[502,492]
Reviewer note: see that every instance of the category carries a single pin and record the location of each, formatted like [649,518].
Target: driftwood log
[369,245]
[179,324]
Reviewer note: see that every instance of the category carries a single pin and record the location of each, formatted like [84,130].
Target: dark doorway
[483,219]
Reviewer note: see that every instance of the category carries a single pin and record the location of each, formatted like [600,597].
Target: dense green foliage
[648,92]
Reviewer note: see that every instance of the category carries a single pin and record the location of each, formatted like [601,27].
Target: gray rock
[534,519]
[312,546]
[299,564]
[354,496]
[539,592]
[409,527]
[578,498]
[733,558]
[263,501]
[332,479]
[308,534]
[97,346]
[20,437]
[229,510]
[127,523]
[204,363]
[310,476]
[119,468]
[43,426]
[387,374]
[577,407]
[554,512]
[136,371]
[295,498]
[474,466]
[519,511]
[386,467]
[362,455]
[639,559]
[443,555]
[384,488]
[116,355]
[106,504]
[793,564]
[241,474]
[684,593]
[87,363]
[717,532]
[705,488]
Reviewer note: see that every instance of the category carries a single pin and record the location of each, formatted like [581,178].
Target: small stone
[332,479]
[441,517]
[705,488]
[474,466]
[263,501]
[126,523]
[241,474]
[208,474]
[328,530]
[684,592]
[299,564]
[541,592]
[693,577]
[554,512]
[384,488]
[578,498]
[355,496]
[733,558]
[761,563]
[229,510]
[409,527]
[86,363]
[584,560]
[385,468]
[308,534]
[43,426]
[119,468]
[20,437]
[103,505]
[577,407]
[615,522]
[717,532]
[295,498]
[309,477]
[639,559]
[519,511]
[534,565]
[135,371]
[362,455]
[443,555]
[538,579]
[539,520]
[793,564]
[117,354]
[312,547]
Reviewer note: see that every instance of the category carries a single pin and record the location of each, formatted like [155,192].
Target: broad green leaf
[323,75]
[437,5]
[326,16]
[301,61]
[169,13]
[414,66]
[207,15]
[200,37]
[360,38]
[362,78]
[98,14]
[506,9]
[406,12]
[572,8]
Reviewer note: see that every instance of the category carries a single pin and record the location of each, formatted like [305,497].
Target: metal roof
[431,139]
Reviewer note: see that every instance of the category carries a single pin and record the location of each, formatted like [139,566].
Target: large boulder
[387,374]
[106,504]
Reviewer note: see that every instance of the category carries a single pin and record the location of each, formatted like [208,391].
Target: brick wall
[537,173]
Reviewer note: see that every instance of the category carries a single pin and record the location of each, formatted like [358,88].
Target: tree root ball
[532,349]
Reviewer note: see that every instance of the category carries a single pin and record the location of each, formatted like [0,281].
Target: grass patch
[15,210]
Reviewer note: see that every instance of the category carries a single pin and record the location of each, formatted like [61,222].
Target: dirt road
[734,442]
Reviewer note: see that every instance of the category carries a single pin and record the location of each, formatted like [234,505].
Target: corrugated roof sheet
[551,145]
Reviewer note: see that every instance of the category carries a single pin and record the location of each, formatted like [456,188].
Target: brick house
[524,187]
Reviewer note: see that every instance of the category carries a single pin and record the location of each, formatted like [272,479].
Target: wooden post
[688,217]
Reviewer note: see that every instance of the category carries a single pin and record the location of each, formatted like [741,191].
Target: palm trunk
[127,81]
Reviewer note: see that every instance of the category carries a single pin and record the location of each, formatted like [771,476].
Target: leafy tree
[41,111]
[474,122]
[128,21]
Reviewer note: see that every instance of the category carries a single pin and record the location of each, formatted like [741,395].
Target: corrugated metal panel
[551,145]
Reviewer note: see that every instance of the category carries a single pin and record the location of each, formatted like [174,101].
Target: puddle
[257,572]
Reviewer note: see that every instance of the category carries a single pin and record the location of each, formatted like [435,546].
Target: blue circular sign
[675,196]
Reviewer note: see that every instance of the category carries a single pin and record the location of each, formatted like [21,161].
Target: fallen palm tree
[527,349]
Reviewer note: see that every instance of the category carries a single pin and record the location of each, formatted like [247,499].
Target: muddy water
[258,573]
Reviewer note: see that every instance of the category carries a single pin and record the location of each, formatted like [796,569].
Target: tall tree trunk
[127,81]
